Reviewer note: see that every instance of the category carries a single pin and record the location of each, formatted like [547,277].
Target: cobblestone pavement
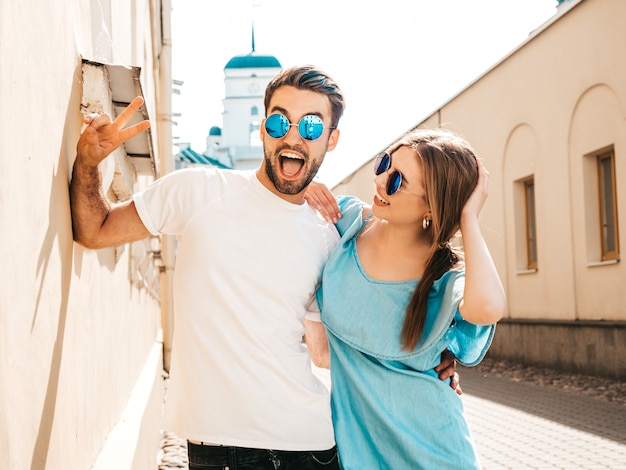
[565,423]
[523,418]
[173,452]
[598,387]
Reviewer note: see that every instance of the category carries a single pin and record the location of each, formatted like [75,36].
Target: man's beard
[289,187]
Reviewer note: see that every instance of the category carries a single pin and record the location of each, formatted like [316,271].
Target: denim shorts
[203,457]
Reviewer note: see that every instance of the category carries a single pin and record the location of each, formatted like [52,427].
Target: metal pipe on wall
[166,165]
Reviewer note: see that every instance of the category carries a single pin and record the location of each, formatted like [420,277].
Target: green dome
[253,61]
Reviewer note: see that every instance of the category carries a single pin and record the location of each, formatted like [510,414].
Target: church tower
[245,78]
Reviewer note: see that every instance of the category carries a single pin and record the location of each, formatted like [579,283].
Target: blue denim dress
[390,410]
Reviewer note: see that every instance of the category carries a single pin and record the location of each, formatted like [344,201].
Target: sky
[396,61]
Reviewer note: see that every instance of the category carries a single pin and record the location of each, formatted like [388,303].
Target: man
[250,256]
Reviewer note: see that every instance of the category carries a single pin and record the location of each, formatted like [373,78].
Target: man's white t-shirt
[247,263]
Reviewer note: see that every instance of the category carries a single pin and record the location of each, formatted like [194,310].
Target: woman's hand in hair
[478,197]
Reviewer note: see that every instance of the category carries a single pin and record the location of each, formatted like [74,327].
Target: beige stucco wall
[553,100]
[75,333]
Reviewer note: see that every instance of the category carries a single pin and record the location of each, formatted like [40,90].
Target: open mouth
[379,200]
[291,164]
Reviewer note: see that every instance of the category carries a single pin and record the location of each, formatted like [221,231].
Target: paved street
[518,425]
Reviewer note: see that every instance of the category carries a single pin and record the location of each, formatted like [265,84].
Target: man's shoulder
[209,171]
[210,175]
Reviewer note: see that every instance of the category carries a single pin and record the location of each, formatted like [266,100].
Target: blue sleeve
[351,213]
[470,342]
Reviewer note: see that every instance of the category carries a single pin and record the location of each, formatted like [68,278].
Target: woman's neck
[392,252]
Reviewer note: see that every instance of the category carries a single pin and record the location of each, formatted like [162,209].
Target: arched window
[255,134]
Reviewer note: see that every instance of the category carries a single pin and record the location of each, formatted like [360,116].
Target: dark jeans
[202,457]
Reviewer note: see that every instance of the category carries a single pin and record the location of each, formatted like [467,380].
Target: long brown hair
[450,174]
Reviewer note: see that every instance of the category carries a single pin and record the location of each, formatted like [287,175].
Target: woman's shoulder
[353,213]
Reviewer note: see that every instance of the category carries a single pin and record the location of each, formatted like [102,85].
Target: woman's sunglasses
[394,180]
[310,126]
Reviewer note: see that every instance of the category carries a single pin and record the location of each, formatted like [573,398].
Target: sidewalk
[518,425]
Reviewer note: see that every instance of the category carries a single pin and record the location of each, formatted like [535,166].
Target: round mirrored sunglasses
[382,163]
[310,127]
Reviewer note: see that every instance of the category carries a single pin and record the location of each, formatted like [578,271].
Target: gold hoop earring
[425,223]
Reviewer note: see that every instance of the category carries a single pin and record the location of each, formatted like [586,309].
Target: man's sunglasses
[394,180]
[310,126]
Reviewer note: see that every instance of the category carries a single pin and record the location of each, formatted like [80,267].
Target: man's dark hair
[309,77]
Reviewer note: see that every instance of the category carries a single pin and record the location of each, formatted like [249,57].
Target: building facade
[549,121]
[238,144]
[80,330]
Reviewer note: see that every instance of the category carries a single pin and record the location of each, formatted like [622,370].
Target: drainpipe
[166,165]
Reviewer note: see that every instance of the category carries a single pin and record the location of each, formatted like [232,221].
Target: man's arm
[95,222]
[447,370]
[317,342]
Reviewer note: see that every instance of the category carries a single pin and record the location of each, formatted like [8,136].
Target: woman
[396,293]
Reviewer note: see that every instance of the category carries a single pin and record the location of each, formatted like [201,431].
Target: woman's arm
[483,301]
[321,198]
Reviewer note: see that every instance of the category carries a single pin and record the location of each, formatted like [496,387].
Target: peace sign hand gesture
[101,136]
